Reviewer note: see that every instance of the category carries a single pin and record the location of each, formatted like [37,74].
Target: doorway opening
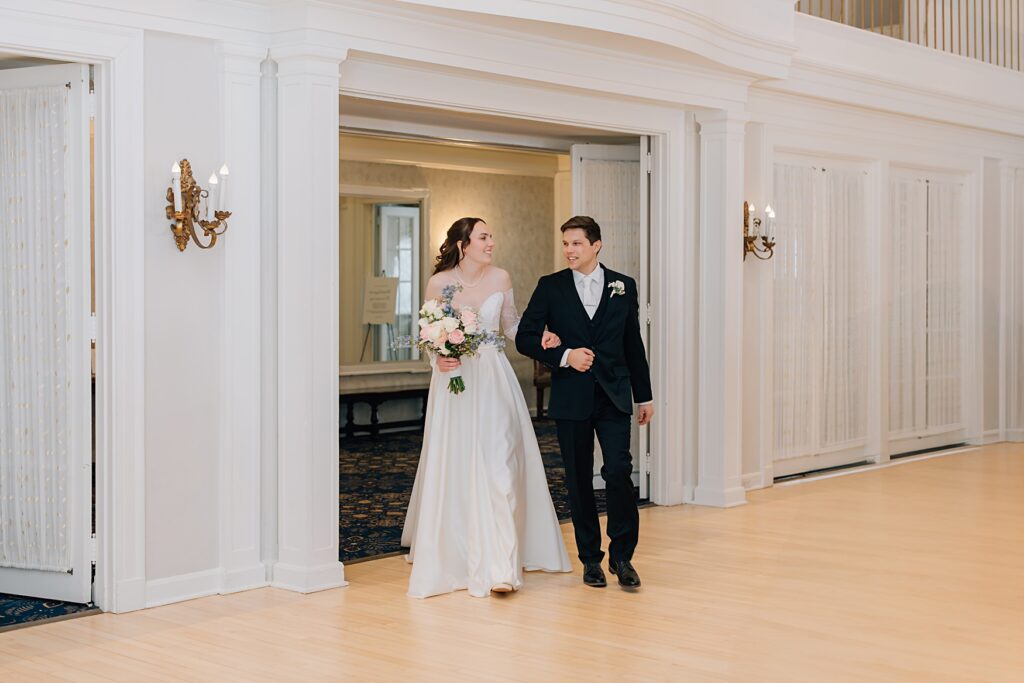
[47,356]
[406,174]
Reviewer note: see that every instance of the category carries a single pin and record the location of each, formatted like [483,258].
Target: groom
[596,376]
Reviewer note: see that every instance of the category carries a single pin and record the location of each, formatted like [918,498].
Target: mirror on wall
[382,237]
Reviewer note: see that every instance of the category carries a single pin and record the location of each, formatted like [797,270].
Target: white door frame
[120,417]
[668,129]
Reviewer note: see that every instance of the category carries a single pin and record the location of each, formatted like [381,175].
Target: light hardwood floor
[909,573]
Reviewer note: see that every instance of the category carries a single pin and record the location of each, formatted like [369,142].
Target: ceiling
[9,60]
[460,126]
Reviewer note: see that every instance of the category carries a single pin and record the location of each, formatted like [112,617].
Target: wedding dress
[480,511]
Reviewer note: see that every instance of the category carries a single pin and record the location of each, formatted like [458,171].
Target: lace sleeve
[509,315]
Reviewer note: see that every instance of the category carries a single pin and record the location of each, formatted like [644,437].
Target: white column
[239,490]
[720,326]
[307,332]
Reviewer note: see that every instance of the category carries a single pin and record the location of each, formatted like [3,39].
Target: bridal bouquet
[450,332]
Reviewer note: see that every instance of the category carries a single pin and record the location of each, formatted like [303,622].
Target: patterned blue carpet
[376,477]
[16,611]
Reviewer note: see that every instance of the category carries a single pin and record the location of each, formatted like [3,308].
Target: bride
[480,511]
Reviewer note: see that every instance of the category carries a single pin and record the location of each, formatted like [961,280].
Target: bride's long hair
[451,250]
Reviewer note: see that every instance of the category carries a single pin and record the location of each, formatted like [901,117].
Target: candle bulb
[223,203]
[176,185]
[770,218]
[213,193]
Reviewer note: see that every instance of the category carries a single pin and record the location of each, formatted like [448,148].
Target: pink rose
[456,337]
[425,334]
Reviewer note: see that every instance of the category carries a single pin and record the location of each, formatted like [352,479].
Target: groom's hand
[581,359]
[644,414]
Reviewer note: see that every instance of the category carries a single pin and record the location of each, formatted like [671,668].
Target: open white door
[611,184]
[46,418]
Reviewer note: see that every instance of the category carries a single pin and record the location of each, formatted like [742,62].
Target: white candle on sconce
[224,173]
[176,185]
[213,194]
[769,215]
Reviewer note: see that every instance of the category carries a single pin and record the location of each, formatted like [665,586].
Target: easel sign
[379,298]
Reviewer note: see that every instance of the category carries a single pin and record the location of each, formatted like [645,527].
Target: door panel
[46,454]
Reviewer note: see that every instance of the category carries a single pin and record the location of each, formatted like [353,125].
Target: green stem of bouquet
[456,385]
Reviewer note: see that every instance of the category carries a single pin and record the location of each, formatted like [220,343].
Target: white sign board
[379,295]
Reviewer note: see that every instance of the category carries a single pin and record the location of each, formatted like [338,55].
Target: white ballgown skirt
[480,511]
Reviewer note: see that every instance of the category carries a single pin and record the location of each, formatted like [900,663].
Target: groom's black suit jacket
[620,363]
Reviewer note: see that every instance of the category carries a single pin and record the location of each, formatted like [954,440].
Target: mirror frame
[422,195]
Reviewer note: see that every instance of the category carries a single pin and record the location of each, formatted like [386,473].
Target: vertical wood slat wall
[991,31]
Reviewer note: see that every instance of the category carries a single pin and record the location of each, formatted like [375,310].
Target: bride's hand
[550,340]
[448,364]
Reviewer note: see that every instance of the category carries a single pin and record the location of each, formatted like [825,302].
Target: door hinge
[647,462]
[647,163]
[648,312]
[92,327]
[92,548]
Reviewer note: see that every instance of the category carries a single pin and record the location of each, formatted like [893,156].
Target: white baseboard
[309,579]
[244,579]
[182,587]
[1015,435]
[129,596]
[992,436]
[719,498]
[877,466]
[753,481]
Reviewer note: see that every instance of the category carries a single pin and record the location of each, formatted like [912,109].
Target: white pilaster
[720,327]
[307,332]
[239,490]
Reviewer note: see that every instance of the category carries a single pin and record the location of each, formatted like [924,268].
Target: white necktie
[590,298]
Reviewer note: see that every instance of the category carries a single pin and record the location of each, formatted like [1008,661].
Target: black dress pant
[576,438]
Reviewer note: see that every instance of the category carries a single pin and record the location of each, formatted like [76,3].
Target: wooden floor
[909,573]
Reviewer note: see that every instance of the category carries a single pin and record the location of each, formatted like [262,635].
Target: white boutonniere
[617,287]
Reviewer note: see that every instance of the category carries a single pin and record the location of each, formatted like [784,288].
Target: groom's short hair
[586,224]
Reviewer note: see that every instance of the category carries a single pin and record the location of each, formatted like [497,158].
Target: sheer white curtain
[1015,410]
[821,316]
[34,329]
[925,330]
[943,331]
[797,315]
[908,300]
[846,315]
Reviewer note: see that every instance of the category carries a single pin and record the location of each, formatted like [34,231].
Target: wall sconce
[766,249]
[184,198]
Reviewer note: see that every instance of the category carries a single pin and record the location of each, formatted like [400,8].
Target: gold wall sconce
[189,205]
[760,243]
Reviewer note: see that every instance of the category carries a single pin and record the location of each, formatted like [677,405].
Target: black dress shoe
[593,575]
[628,578]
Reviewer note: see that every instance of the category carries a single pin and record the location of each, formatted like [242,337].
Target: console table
[361,385]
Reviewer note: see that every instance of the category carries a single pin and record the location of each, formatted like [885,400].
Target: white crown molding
[855,67]
[733,36]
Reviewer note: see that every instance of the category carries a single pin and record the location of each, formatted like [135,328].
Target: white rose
[434,332]
[430,308]
[450,324]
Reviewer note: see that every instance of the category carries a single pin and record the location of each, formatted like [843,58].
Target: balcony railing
[987,30]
